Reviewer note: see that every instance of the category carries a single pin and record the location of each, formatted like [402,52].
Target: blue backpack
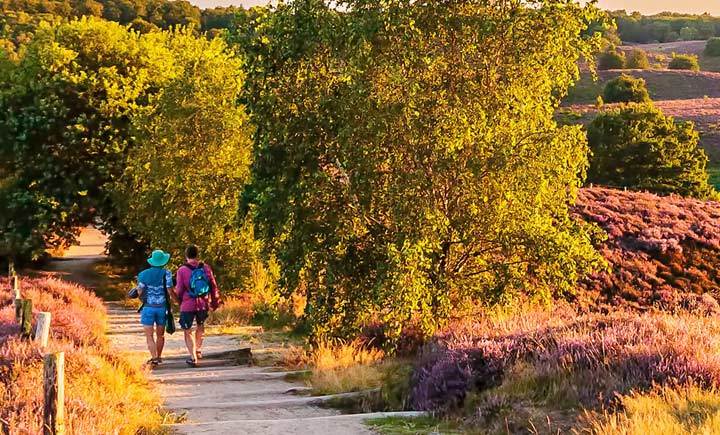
[199,281]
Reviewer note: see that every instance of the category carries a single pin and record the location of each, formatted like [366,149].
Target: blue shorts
[150,316]
[187,318]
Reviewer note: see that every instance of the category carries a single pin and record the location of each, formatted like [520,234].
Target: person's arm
[180,286]
[215,299]
[169,288]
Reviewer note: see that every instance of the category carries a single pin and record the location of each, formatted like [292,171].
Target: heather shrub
[684,62]
[626,89]
[550,355]
[638,147]
[637,59]
[712,47]
[661,251]
[105,393]
[611,59]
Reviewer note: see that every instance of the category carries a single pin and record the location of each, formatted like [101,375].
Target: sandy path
[215,398]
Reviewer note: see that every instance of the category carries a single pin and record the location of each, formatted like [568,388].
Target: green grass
[415,425]
[714,174]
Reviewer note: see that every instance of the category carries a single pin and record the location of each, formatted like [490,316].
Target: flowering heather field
[502,369]
[663,252]
[104,392]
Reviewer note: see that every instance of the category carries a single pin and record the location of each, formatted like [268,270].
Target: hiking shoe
[158,360]
[152,363]
[191,363]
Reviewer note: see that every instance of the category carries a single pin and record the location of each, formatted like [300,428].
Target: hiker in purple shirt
[198,293]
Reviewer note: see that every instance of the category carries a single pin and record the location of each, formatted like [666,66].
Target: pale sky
[643,6]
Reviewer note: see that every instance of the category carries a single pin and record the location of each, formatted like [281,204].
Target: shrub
[637,59]
[582,359]
[712,47]
[105,393]
[611,59]
[662,251]
[684,62]
[638,147]
[626,89]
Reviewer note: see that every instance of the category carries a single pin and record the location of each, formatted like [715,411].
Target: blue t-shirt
[151,281]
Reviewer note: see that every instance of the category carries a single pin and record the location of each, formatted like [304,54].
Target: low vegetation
[541,368]
[662,252]
[626,89]
[684,62]
[105,392]
[712,47]
[611,59]
[637,59]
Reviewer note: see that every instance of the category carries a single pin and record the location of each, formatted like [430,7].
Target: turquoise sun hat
[159,258]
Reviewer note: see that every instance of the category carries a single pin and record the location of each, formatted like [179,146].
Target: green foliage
[712,47]
[637,59]
[626,89]
[396,171]
[611,59]
[183,178]
[638,147]
[65,107]
[665,27]
[161,13]
[684,62]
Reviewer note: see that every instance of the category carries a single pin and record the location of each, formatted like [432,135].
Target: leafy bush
[611,59]
[712,47]
[637,59]
[638,147]
[684,62]
[663,252]
[626,89]
[105,392]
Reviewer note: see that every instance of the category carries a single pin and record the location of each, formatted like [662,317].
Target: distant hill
[664,252]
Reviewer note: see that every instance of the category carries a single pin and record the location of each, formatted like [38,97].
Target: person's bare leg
[160,340]
[190,343]
[199,332]
[152,347]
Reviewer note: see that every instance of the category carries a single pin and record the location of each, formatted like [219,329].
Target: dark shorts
[187,318]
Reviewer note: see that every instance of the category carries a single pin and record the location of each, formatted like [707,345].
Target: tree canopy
[638,147]
[406,156]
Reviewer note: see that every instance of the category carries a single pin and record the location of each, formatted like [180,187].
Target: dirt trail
[216,398]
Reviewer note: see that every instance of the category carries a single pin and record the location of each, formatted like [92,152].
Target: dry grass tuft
[666,411]
[105,392]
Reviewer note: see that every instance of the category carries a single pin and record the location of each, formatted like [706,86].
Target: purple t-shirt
[188,303]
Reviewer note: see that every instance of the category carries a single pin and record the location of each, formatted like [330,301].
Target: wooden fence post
[54,386]
[26,318]
[42,330]
[18,297]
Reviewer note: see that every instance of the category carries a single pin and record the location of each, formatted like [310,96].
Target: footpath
[226,394]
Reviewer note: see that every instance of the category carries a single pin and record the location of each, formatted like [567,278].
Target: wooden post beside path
[42,330]
[18,297]
[54,386]
[26,318]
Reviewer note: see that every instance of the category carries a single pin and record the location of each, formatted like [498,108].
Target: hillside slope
[663,252]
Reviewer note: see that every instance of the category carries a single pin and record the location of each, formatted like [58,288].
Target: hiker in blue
[153,286]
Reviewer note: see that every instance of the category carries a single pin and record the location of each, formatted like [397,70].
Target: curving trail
[226,394]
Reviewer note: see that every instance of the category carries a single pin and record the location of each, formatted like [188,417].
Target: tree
[183,178]
[626,89]
[407,160]
[611,59]
[637,59]
[66,108]
[684,62]
[638,147]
